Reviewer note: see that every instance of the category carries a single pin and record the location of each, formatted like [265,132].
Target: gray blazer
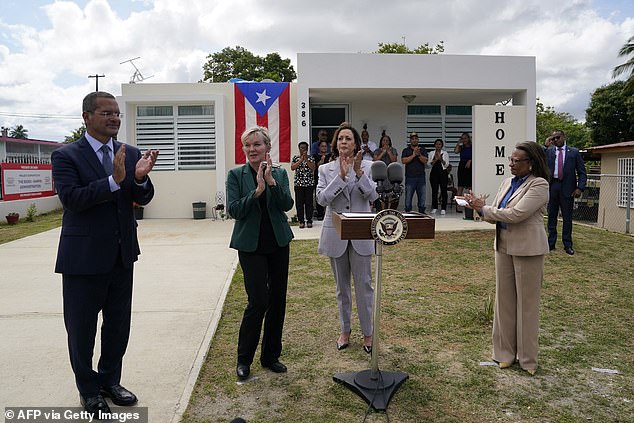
[339,196]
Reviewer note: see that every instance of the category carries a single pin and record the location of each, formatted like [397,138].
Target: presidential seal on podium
[389,227]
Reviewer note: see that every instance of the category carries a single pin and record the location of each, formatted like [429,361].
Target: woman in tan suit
[520,247]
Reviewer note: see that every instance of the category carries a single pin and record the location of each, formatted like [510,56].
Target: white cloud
[44,66]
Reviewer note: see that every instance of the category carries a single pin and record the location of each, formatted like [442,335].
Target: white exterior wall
[176,190]
[371,85]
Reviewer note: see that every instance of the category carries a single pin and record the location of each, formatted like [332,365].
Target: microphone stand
[376,387]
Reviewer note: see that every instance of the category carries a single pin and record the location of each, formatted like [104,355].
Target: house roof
[29,141]
[613,148]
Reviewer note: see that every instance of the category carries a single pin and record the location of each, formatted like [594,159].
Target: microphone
[383,187]
[379,175]
[395,177]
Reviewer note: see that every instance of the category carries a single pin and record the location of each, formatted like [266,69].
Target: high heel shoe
[367,347]
[343,345]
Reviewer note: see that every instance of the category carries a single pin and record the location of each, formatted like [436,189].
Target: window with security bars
[185,135]
[625,182]
[434,121]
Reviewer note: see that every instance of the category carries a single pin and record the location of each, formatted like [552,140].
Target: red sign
[26,180]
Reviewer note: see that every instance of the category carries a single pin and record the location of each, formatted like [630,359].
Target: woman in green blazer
[258,196]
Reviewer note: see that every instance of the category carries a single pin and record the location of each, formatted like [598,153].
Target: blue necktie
[106,160]
[515,183]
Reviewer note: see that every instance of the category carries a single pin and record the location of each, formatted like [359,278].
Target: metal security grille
[624,184]
[185,141]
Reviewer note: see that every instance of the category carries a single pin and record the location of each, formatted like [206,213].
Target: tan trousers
[516,317]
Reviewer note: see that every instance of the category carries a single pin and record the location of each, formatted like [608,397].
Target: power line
[39,116]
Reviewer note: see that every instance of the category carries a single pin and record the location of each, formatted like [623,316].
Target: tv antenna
[136,76]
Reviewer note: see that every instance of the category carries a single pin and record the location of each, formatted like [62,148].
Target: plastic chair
[219,208]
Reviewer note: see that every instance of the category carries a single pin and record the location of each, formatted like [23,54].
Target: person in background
[345,185]
[367,146]
[414,157]
[567,182]
[438,160]
[520,248]
[98,246]
[320,159]
[322,136]
[258,197]
[304,167]
[465,149]
[386,152]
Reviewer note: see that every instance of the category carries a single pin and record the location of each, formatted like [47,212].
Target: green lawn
[436,328]
[41,223]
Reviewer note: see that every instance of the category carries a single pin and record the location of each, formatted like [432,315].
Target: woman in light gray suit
[520,247]
[344,186]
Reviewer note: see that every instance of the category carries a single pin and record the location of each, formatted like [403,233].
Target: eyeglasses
[555,138]
[108,114]
[512,161]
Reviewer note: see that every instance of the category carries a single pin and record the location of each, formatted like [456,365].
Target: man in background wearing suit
[98,247]
[567,181]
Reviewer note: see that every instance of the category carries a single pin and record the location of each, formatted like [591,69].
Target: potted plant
[12,218]
[138,211]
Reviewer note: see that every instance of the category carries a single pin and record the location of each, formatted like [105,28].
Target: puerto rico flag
[264,104]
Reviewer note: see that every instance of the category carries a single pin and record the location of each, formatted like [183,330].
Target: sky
[49,47]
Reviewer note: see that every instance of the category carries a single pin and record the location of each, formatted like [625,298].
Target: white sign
[496,132]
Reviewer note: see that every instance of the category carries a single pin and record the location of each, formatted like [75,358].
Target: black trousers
[304,203]
[265,281]
[557,200]
[438,179]
[84,296]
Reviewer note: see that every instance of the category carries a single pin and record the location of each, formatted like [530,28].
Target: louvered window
[185,135]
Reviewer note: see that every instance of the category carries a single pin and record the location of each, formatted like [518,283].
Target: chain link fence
[607,202]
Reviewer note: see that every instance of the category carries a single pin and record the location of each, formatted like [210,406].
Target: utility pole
[96,76]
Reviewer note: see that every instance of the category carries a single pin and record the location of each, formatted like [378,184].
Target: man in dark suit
[567,181]
[98,246]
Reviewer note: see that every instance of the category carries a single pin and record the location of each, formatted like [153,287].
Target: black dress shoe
[243,371]
[276,367]
[570,251]
[119,395]
[94,405]
[367,348]
[552,248]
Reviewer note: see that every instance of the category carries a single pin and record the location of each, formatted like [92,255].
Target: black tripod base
[376,388]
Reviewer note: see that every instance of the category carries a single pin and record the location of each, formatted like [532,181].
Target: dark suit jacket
[97,224]
[245,208]
[574,169]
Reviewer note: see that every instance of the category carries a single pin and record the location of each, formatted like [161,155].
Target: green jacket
[245,209]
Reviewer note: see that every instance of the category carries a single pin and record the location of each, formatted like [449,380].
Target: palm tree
[18,131]
[627,49]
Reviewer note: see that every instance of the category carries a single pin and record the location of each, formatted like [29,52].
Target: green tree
[610,115]
[401,48]
[627,50]
[241,63]
[18,131]
[75,135]
[548,119]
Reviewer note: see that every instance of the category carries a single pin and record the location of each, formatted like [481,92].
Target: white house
[438,96]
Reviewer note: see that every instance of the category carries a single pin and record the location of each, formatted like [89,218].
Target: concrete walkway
[181,280]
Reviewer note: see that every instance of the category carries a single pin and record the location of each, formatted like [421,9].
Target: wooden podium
[357,225]
[377,387]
